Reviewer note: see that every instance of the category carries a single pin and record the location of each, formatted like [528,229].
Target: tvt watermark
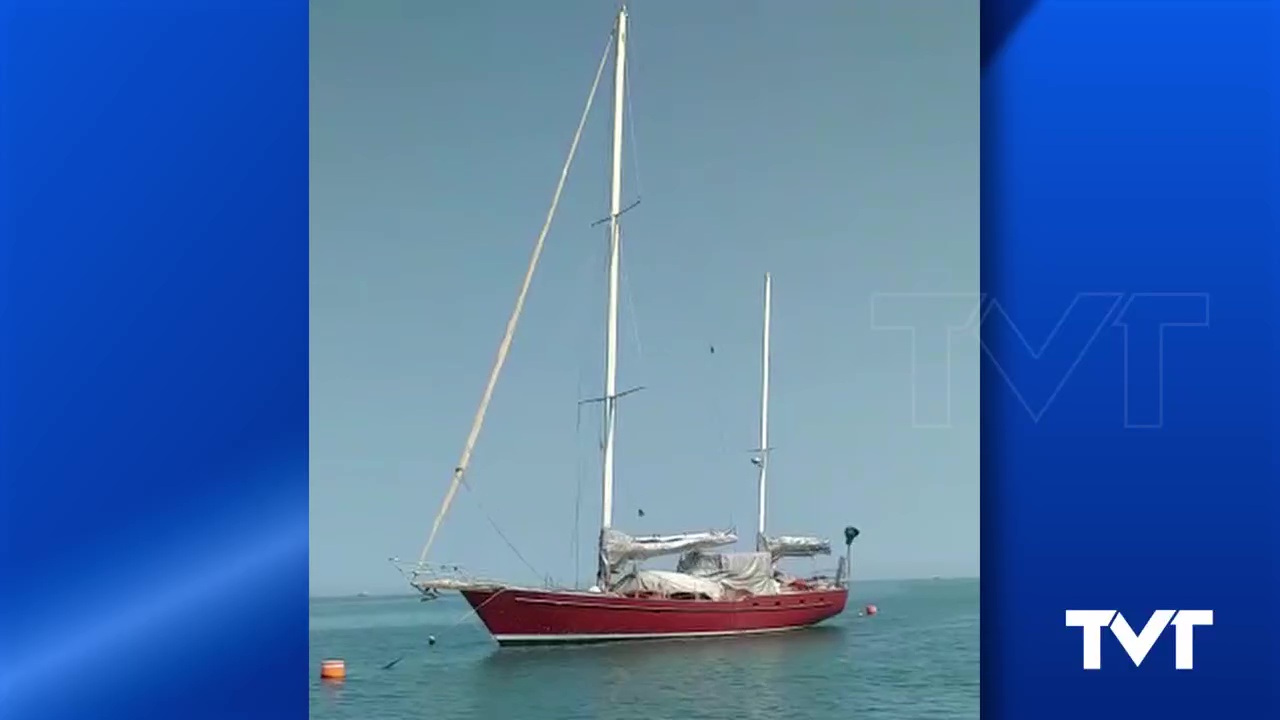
[1138,645]
[1037,368]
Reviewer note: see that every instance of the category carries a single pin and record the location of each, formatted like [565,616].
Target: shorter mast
[763,463]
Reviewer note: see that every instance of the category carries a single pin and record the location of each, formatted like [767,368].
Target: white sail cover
[746,572]
[666,583]
[797,546]
[619,547]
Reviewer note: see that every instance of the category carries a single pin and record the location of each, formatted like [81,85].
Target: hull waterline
[544,617]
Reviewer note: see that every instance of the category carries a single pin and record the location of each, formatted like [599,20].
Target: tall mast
[615,238]
[764,413]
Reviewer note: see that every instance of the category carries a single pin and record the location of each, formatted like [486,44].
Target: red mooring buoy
[333,669]
[872,610]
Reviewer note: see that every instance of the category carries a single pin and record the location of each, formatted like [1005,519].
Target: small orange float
[333,669]
[872,610]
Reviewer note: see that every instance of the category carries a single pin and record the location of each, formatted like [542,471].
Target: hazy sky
[833,143]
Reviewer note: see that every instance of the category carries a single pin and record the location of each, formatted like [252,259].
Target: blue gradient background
[1130,147]
[153,359]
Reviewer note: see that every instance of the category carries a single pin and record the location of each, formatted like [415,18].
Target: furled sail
[747,572]
[666,583]
[797,546]
[618,547]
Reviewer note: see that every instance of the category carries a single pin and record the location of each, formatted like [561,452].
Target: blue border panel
[1129,392]
[153,359]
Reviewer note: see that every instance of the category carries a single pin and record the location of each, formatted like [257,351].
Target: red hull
[526,617]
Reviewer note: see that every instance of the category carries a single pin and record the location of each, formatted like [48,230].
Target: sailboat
[710,593]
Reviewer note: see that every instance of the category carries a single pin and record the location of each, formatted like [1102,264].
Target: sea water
[917,658]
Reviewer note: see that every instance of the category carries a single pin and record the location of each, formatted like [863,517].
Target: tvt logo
[1138,645]
[1135,331]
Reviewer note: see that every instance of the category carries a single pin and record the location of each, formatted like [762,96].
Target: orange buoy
[333,669]
[872,610]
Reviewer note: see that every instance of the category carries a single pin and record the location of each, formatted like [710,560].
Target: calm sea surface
[916,659]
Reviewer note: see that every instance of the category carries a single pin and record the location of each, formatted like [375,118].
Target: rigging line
[605,267]
[587,270]
[475,609]
[635,319]
[498,530]
[461,468]
[450,627]
[635,335]
[631,121]
[574,540]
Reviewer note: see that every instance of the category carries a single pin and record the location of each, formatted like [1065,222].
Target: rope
[450,627]
[461,468]
[635,166]
[575,542]
[635,320]
[497,529]
[631,122]
[629,304]
[587,270]
[473,611]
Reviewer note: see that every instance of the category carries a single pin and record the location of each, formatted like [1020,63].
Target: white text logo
[1138,645]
